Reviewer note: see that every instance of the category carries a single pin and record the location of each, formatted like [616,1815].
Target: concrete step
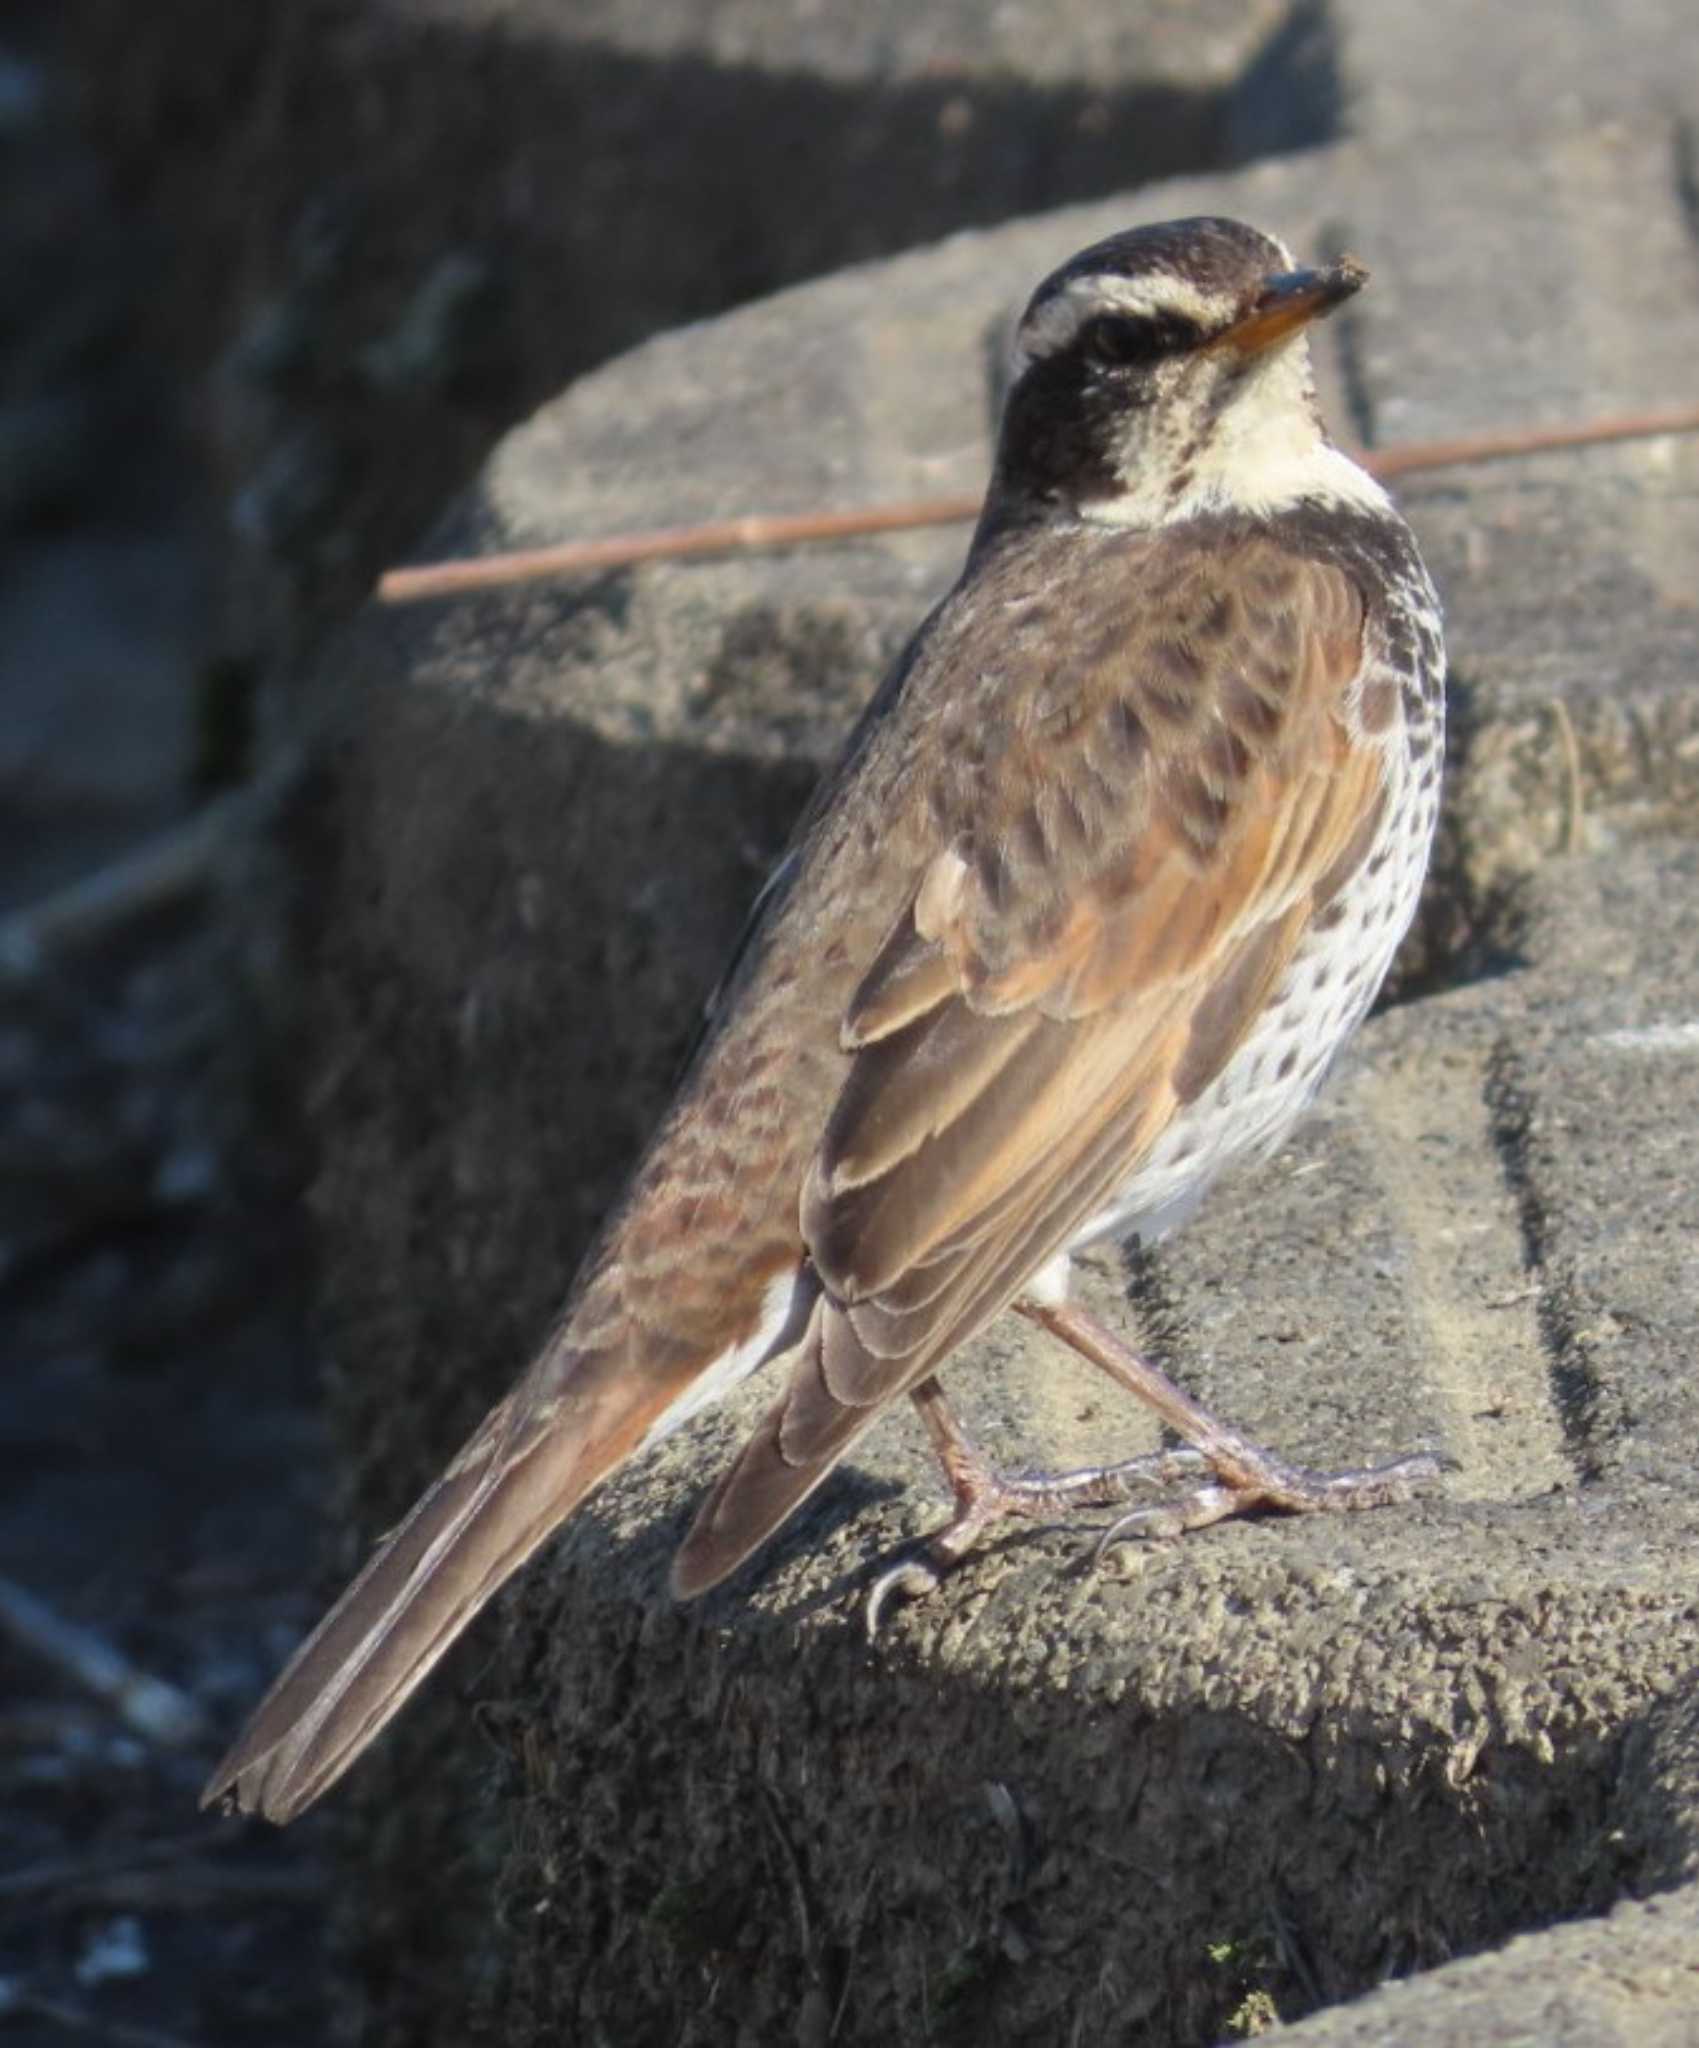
[1280,1761]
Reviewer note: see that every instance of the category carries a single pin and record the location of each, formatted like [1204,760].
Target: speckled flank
[1341,962]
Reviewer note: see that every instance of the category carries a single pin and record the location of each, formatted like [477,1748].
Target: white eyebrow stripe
[1049,329]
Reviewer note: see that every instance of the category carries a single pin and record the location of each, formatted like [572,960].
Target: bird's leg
[1236,1474]
[984,1496]
[1244,1476]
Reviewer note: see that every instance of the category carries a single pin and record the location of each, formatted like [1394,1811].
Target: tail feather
[524,1471]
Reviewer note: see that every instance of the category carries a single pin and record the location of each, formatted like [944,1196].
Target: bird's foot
[1230,1474]
[1248,1483]
[984,1497]
[1253,1482]
[1243,1476]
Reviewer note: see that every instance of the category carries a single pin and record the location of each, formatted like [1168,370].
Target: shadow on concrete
[316,167]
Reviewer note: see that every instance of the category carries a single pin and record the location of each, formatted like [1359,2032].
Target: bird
[1112,865]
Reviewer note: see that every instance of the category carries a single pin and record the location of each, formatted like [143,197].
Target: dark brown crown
[1210,253]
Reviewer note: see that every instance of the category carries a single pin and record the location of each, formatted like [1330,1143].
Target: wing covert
[1116,895]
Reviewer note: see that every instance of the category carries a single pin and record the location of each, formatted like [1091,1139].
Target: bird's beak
[1289,300]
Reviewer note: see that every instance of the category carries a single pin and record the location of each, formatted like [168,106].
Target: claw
[1160,1524]
[912,1579]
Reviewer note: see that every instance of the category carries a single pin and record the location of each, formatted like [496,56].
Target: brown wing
[1121,889]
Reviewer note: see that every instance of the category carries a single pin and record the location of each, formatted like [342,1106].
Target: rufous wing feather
[1059,987]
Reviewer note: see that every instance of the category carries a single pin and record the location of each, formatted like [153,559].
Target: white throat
[1266,451]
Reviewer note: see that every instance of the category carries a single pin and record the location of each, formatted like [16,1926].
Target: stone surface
[1548,282]
[393,230]
[1280,1762]
[1194,43]
[1657,1802]
[1630,1980]
[1288,1760]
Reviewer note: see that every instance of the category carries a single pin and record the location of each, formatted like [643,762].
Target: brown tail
[532,1461]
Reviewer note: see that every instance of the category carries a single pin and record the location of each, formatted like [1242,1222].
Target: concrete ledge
[1285,1761]
[1280,1761]
[1626,1981]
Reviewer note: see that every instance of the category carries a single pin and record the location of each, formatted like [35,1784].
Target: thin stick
[1405,456]
[666,543]
[151,1706]
[146,879]
[74,2020]
[71,1872]
[732,536]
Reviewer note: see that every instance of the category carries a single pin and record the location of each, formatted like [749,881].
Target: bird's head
[1165,373]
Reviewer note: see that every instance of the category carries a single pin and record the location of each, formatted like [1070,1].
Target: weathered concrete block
[393,230]
[1624,1981]
[1280,1760]
[1288,1760]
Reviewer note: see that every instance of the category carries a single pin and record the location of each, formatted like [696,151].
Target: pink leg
[1238,1475]
[1246,1476]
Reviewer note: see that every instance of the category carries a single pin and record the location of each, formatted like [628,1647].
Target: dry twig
[1574,788]
[153,1707]
[72,2019]
[732,536]
[152,877]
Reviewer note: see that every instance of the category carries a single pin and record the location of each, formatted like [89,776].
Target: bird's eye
[1118,339]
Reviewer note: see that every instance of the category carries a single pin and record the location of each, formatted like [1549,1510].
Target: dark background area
[273,278]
